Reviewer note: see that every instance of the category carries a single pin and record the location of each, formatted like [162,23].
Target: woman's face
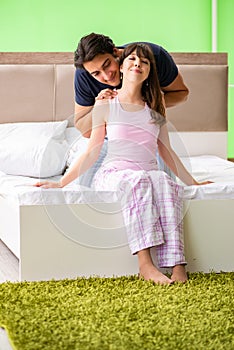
[135,68]
[104,68]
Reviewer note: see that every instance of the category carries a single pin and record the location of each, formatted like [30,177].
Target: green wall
[226,44]
[178,25]
[57,25]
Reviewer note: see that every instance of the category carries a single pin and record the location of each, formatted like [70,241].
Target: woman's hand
[196,183]
[106,94]
[48,184]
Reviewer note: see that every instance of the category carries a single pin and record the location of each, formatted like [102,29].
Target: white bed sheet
[212,168]
[20,189]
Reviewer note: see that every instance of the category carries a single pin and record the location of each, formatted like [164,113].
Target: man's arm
[175,93]
[83,119]
[83,114]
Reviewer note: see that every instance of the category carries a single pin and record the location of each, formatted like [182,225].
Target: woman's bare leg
[179,274]
[147,269]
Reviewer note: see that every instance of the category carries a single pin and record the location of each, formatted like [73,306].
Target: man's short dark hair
[90,46]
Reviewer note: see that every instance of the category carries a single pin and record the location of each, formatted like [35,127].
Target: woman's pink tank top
[132,138]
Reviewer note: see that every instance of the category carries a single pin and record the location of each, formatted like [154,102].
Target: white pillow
[33,149]
[77,144]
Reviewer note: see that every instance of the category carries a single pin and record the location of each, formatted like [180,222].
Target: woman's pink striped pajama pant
[152,206]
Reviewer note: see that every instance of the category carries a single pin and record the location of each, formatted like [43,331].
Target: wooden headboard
[38,86]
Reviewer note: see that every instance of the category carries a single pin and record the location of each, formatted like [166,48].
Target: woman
[152,203]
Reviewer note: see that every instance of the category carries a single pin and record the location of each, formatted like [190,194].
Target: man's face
[104,68]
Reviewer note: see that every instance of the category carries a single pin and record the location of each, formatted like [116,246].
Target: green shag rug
[120,314]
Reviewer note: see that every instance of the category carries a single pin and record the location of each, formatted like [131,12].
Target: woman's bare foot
[179,274]
[147,269]
[151,273]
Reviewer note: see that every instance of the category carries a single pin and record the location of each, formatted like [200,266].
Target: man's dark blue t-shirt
[87,87]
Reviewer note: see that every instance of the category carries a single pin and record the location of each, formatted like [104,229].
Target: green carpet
[120,313]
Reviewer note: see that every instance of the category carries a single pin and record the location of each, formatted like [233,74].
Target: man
[97,74]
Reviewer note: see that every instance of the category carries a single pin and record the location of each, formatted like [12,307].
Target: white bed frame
[66,241]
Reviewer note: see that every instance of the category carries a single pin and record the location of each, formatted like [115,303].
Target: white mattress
[212,168]
[20,189]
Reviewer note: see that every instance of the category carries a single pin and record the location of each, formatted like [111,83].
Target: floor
[9,271]
[4,342]
[9,265]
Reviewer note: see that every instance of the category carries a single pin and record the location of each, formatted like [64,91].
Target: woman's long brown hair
[151,91]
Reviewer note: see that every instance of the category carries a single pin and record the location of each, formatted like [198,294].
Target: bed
[70,232]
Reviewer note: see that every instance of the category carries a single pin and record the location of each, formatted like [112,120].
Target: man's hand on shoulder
[106,94]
